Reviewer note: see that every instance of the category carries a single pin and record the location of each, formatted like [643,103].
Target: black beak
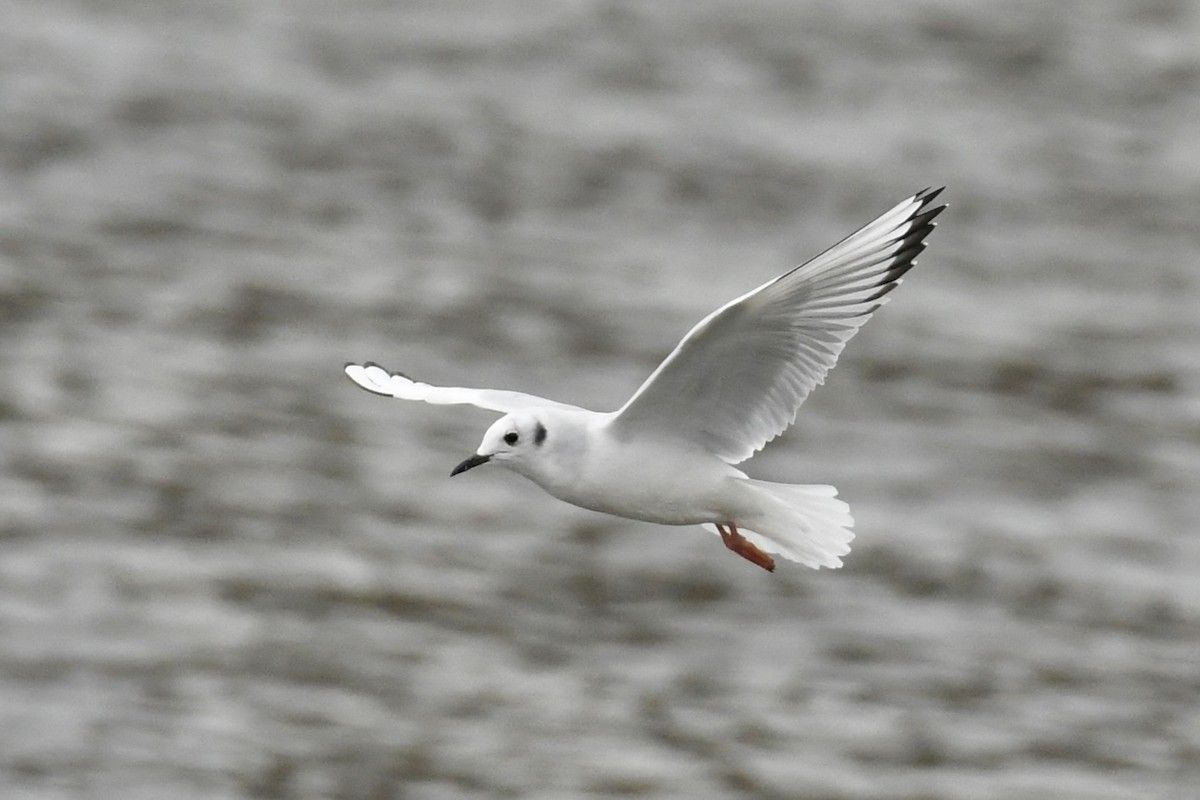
[470,463]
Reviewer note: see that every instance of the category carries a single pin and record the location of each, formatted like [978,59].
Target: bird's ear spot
[539,434]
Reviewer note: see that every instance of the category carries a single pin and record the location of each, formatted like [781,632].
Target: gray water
[225,572]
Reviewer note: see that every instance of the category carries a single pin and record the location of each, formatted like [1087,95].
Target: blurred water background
[225,572]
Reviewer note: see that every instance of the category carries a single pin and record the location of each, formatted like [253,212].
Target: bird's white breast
[656,481]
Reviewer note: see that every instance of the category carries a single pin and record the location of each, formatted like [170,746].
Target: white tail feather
[804,523]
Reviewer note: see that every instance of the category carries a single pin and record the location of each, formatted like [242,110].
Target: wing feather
[737,379]
[374,378]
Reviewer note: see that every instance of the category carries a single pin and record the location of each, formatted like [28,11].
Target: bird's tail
[804,523]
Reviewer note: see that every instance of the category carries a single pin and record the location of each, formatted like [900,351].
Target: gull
[734,383]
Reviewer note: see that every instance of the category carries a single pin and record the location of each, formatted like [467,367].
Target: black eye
[510,438]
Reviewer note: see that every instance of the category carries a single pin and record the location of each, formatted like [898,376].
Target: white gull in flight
[734,383]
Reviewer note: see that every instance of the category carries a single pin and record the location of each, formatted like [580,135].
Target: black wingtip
[926,217]
[926,196]
[929,193]
[921,226]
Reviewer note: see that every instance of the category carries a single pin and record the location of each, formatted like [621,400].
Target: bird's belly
[646,489]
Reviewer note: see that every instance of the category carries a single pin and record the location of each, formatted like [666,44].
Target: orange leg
[743,547]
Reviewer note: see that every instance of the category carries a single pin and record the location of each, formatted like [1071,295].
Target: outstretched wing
[375,378]
[738,378]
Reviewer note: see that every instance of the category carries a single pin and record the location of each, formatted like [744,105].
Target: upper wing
[375,378]
[738,378]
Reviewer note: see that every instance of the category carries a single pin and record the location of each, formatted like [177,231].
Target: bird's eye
[510,438]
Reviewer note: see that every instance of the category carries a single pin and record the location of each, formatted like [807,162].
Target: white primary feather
[375,378]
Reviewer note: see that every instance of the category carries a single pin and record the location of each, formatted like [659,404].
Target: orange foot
[742,546]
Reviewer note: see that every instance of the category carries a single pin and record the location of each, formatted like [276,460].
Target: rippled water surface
[227,573]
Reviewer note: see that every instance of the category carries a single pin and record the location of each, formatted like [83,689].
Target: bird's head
[511,442]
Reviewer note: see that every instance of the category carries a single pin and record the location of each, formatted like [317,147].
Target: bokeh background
[225,572]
